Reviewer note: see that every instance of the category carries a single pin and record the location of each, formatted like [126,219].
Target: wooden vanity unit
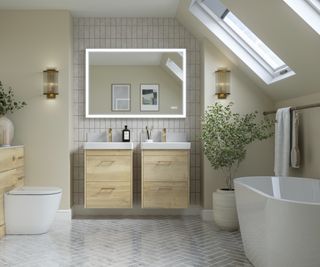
[11,175]
[165,178]
[108,178]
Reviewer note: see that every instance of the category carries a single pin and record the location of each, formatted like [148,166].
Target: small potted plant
[225,136]
[7,104]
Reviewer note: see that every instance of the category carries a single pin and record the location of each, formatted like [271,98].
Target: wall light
[222,76]
[50,83]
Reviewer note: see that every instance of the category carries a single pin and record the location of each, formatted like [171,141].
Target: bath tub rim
[238,181]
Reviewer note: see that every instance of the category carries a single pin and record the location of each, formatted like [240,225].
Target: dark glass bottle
[125,134]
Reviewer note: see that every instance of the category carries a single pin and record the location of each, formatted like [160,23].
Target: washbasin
[108,145]
[165,145]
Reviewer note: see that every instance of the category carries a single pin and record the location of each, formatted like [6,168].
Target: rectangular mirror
[135,83]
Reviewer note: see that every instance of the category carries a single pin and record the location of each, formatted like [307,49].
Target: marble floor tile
[132,241]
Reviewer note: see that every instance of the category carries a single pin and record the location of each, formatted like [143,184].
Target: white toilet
[31,210]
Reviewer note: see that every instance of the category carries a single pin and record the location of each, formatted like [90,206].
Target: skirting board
[63,215]
[79,210]
[207,215]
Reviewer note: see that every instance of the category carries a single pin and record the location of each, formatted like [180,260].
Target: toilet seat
[35,190]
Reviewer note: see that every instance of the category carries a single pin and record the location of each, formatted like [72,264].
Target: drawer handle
[14,158]
[106,163]
[167,188]
[107,189]
[20,178]
[163,162]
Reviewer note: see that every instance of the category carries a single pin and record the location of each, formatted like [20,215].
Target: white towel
[282,142]
[295,152]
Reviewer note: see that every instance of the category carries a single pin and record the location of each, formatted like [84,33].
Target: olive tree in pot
[7,104]
[225,136]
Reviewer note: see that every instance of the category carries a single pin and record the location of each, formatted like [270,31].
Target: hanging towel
[295,152]
[282,142]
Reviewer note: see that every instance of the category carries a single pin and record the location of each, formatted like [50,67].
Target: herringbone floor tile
[134,242]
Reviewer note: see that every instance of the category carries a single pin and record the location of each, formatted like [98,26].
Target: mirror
[135,83]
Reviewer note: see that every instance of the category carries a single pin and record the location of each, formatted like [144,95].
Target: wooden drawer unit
[11,158]
[108,178]
[108,194]
[165,178]
[165,195]
[11,176]
[165,168]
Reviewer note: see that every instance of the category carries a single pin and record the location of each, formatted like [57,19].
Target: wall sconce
[50,83]
[222,76]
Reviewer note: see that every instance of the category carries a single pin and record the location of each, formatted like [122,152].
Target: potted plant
[225,136]
[7,104]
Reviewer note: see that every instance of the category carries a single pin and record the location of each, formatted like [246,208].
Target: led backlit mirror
[135,83]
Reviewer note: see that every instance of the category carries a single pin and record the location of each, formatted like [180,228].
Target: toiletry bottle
[125,134]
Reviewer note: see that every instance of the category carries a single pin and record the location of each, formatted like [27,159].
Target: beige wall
[309,133]
[246,97]
[32,41]
[102,77]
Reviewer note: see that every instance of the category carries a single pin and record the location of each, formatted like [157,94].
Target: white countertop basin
[165,145]
[108,145]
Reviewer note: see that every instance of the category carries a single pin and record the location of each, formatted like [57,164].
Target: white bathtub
[279,220]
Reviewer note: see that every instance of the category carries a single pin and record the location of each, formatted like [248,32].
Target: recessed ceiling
[100,8]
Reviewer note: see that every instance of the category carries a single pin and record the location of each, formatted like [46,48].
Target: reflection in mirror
[135,83]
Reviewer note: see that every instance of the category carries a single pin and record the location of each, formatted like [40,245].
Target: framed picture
[149,97]
[121,97]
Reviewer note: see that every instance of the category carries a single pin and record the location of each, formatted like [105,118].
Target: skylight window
[308,10]
[174,68]
[315,4]
[253,41]
[241,40]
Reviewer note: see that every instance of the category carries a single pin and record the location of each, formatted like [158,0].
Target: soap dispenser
[125,134]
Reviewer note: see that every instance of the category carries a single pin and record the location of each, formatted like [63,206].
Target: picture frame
[120,97]
[149,97]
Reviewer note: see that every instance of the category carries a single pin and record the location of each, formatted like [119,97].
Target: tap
[110,135]
[164,135]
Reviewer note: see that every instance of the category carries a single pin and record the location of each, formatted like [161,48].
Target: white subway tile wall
[134,33]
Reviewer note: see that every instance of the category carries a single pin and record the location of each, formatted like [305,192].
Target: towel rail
[315,105]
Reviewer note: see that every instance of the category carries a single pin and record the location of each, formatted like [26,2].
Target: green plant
[7,101]
[225,136]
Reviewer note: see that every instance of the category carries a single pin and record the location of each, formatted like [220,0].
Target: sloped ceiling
[283,31]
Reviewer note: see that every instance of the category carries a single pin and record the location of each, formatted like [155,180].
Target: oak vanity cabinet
[108,178]
[11,175]
[165,178]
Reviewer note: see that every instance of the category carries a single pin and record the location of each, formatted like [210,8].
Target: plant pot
[224,210]
[6,131]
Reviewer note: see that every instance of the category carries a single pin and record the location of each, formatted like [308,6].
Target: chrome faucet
[110,135]
[164,135]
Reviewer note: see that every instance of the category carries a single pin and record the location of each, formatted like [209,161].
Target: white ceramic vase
[224,210]
[6,131]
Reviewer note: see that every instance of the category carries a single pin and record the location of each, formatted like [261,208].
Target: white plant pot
[6,131]
[224,210]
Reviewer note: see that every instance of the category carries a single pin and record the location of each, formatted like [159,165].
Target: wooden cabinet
[108,178]
[165,178]
[11,175]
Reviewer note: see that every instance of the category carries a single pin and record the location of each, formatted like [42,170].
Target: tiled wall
[134,33]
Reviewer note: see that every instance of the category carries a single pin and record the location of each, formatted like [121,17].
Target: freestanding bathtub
[279,220]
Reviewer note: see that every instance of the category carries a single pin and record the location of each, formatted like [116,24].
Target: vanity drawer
[11,178]
[165,195]
[165,168]
[108,195]
[11,158]
[1,209]
[108,168]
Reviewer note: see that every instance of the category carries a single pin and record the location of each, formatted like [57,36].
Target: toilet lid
[35,190]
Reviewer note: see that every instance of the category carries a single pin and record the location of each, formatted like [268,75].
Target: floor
[134,241]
